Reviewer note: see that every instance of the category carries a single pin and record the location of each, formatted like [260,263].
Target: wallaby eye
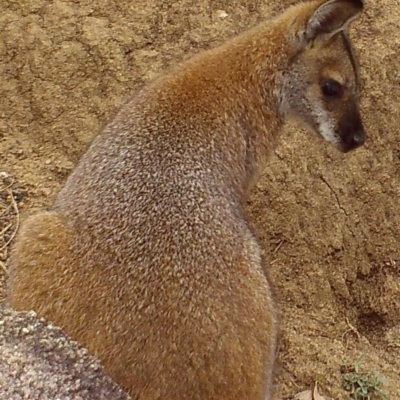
[332,88]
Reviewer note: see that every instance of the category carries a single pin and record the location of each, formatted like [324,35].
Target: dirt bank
[328,222]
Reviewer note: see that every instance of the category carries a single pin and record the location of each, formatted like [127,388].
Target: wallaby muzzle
[351,132]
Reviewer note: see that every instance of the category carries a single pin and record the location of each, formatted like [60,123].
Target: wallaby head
[321,86]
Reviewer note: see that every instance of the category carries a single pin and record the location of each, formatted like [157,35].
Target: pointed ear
[331,17]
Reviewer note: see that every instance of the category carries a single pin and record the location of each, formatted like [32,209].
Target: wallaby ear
[331,17]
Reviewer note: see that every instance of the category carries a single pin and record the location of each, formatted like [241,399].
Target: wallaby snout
[351,132]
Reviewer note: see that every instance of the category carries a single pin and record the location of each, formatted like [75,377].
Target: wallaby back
[146,257]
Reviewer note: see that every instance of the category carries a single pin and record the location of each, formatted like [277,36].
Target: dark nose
[358,139]
[353,141]
[351,130]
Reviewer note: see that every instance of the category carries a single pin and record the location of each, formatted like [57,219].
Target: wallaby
[146,257]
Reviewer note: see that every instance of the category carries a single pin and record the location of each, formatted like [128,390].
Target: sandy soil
[328,222]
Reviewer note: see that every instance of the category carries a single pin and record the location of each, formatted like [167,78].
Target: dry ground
[328,222]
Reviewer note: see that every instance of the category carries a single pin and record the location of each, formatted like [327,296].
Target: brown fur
[146,257]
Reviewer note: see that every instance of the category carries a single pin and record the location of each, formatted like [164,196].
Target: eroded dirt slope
[328,222]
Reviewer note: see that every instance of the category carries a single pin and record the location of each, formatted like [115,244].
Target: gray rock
[39,362]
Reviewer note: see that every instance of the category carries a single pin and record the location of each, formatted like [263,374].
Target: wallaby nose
[358,139]
[351,130]
[353,141]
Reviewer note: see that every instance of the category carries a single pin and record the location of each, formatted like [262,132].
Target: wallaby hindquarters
[182,334]
[146,257]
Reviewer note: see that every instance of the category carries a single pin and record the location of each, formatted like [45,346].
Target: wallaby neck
[226,100]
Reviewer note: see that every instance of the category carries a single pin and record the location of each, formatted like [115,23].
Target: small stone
[222,14]
[46,191]
[4,175]
[7,179]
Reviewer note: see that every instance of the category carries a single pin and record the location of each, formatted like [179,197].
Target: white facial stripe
[326,125]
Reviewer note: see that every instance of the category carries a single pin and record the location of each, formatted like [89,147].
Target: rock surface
[39,362]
